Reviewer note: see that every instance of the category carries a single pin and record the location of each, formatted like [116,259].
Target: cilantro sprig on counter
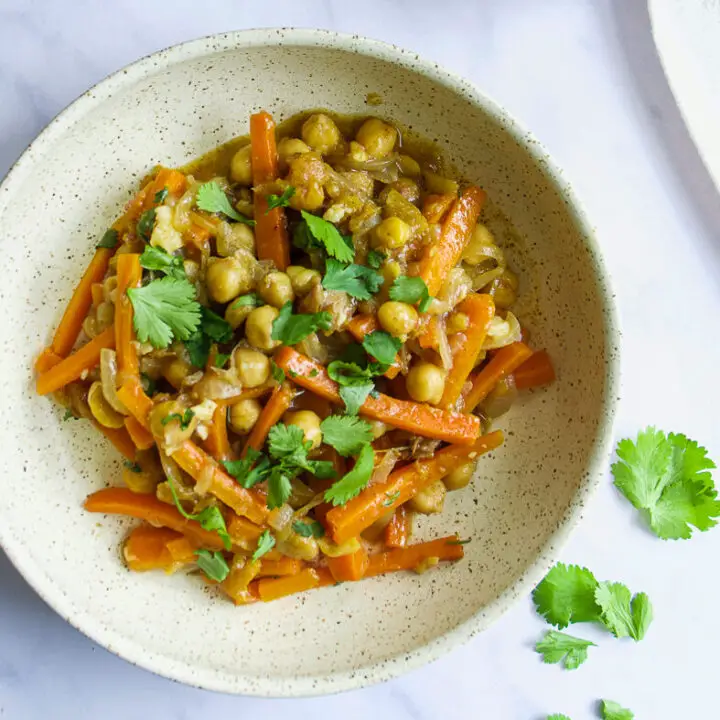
[610,710]
[558,647]
[212,198]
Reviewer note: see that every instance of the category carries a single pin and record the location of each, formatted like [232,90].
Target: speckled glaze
[55,204]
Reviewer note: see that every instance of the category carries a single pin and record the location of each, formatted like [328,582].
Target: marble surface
[584,76]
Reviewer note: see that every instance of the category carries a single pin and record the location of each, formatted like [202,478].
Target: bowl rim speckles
[207,677]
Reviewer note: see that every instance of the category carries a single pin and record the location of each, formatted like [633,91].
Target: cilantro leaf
[557,647]
[212,198]
[145,224]
[276,201]
[286,441]
[198,347]
[265,543]
[109,239]
[221,359]
[375,259]
[250,470]
[185,419]
[216,327]
[279,488]
[567,595]
[667,478]
[354,397]
[69,414]
[308,529]
[164,309]
[557,716]
[354,481]
[610,710]
[132,466]
[157,259]
[622,615]
[356,280]
[382,346]
[328,236]
[346,434]
[391,499]
[212,327]
[249,300]
[355,382]
[411,290]
[212,564]
[290,329]
[278,373]
[161,196]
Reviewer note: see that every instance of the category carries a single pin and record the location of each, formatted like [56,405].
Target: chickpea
[430,499]
[377,428]
[243,415]
[253,368]
[297,546]
[176,371]
[408,189]
[320,133]
[426,383]
[503,290]
[241,166]
[276,289]
[308,422]
[227,278]
[104,316]
[236,314]
[457,322]
[236,237]
[377,137]
[258,328]
[435,183]
[459,478]
[397,318]
[303,279]
[409,165]
[391,233]
[481,238]
[288,147]
[310,197]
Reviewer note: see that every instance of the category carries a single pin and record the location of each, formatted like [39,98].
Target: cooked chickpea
[309,197]
[503,290]
[297,546]
[407,188]
[377,137]
[391,233]
[430,499]
[104,316]
[435,183]
[236,237]
[308,422]
[276,289]
[397,318]
[320,132]
[241,166]
[288,147]
[237,313]
[227,278]
[426,383]
[409,165]
[303,279]
[481,238]
[176,371]
[457,322]
[253,368]
[243,415]
[258,327]
[460,477]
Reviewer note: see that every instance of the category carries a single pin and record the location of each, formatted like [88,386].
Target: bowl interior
[68,188]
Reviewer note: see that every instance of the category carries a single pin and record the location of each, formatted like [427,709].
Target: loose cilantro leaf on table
[346,433]
[328,236]
[308,529]
[354,481]
[157,259]
[567,595]
[164,309]
[382,346]
[145,224]
[109,239]
[667,478]
[212,564]
[557,716]
[356,280]
[557,647]
[276,201]
[265,543]
[411,290]
[212,198]
[622,614]
[290,329]
[610,710]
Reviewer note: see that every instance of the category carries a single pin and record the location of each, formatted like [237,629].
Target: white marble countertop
[584,76]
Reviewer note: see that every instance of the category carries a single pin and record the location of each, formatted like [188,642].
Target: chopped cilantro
[265,543]
[290,329]
[109,239]
[354,481]
[277,201]
[411,290]
[212,198]
[357,281]
[329,237]
[375,259]
[347,434]
[185,419]
[308,529]
[145,224]
[154,258]
[557,647]
[382,346]
[212,564]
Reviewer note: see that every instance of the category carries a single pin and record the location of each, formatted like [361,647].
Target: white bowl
[169,108]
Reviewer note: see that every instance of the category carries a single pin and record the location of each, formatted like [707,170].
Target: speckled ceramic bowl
[169,108]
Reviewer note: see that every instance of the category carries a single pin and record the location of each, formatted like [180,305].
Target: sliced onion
[280,518]
[217,384]
[319,499]
[483,279]
[444,346]
[385,171]
[108,378]
[385,466]
[502,332]
[205,478]
[331,549]
[181,211]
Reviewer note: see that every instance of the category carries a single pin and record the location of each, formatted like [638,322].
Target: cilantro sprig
[346,433]
[290,328]
[185,419]
[411,290]
[266,542]
[277,201]
[158,260]
[319,233]
[610,710]
[382,346]
[357,281]
[352,483]
[355,378]
[145,224]
[212,328]
[558,647]
[212,198]
[109,239]
[308,529]
[213,564]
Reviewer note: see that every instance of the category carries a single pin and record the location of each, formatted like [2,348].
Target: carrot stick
[504,361]
[414,417]
[348,567]
[247,394]
[397,532]
[73,366]
[97,292]
[166,178]
[435,206]
[133,397]
[181,550]
[195,462]
[142,438]
[123,501]
[537,370]
[480,310]
[217,443]
[274,409]
[429,335]
[362,325]
[349,520]
[146,548]
[274,588]
[440,257]
[120,438]
[271,235]
[243,532]
[279,568]
[408,558]
[129,273]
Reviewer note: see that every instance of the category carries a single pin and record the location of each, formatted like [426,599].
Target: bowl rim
[386,669]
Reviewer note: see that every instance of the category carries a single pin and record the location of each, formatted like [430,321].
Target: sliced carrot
[133,397]
[217,443]
[274,588]
[73,366]
[168,179]
[141,437]
[430,329]
[243,532]
[480,310]
[97,292]
[502,363]
[181,550]
[146,548]
[349,567]
[350,520]
[129,274]
[46,359]
[408,558]
[398,530]
[414,417]
[536,371]
[435,206]
[274,409]
[197,236]
[120,438]
[363,324]
[278,568]
[271,236]
[442,256]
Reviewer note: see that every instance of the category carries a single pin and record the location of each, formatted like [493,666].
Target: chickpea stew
[298,342]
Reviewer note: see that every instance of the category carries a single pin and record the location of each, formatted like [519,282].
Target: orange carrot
[274,409]
[197,463]
[198,237]
[181,550]
[129,274]
[271,237]
[120,438]
[217,443]
[73,366]
[408,558]
[141,437]
[236,584]
[537,370]
[97,292]
[274,588]
[247,394]
[123,501]
[362,325]
[349,520]
[429,333]
[440,257]
[480,310]
[435,206]
[279,568]
[243,532]
[133,397]
[398,530]
[348,567]
[146,548]
[502,363]
[173,181]
[414,417]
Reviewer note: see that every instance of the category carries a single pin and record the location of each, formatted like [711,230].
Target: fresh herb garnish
[132,466]
[221,359]
[382,346]
[212,564]
[265,543]
[185,419]
[308,529]
[354,481]
[148,384]
[250,470]
[212,328]
[290,329]
[411,290]
[212,198]
[346,433]
[557,647]
[278,374]
[610,710]
[145,224]
[156,259]
[314,372]
[355,382]
[357,281]
[329,237]
[109,239]
[375,259]
[391,498]
[161,196]
[277,201]
[249,300]
[69,414]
